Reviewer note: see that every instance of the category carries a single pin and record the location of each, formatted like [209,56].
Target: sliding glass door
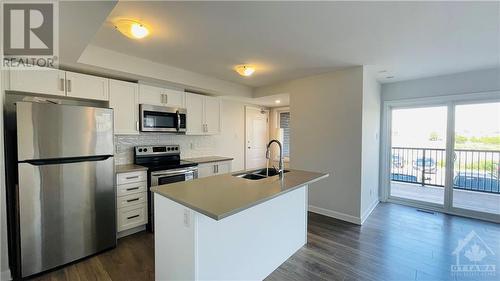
[444,155]
[476,181]
[418,154]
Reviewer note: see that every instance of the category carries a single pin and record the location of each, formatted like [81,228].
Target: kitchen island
[229,228]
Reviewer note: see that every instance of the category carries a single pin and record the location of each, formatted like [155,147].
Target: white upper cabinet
[203,114]
[195,116]
[212,115]
[160,96]
[175,98]
[45,81]
[124,99]
[86,86]
[150,95]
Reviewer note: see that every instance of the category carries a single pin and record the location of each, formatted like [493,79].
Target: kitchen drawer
[131,217]
[124,178]
[131,188]
[131,200]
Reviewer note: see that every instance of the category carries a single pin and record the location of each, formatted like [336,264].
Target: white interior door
[256,137]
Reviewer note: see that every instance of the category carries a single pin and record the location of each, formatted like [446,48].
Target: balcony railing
[475,170]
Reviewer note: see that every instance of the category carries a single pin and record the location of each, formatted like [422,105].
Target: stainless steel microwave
[155,118]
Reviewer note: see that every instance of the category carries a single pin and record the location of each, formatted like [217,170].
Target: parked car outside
[476,181]
[397,161]
[429,166]
[403,177]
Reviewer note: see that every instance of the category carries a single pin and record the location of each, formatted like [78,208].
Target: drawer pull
[134,177]
[136,216]
[132,200]
[132,188]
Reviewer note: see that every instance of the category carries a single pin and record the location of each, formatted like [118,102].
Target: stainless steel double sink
[259,174]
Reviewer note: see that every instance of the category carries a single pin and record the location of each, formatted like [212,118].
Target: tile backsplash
[191,146]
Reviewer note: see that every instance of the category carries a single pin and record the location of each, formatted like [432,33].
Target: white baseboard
[335,215]
[367,213]
[5,275]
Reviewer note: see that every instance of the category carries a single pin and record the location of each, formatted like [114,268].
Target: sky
[413,127]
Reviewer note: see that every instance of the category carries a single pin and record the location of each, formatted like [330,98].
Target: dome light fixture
[245,70]
[131,28]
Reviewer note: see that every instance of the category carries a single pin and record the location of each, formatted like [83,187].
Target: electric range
[164,167]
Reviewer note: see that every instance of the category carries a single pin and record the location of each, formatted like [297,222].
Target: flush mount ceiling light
[277,101]
[131,28]
[245,70]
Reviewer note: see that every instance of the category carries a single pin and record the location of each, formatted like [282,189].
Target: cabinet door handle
[166,98]
[132,188]
[132,200]
[134,177]
[137,125]
[61,81]
[68,85]
[215,170]
[131,217]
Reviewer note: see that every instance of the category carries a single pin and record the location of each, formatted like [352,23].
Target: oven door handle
[173,173]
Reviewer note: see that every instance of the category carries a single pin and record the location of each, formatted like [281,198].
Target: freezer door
[46,131]
[66,212]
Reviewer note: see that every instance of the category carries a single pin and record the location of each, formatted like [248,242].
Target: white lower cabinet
[131,202]
[132,216]
[213,168]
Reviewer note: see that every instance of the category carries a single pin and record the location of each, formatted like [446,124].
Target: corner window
[284,122]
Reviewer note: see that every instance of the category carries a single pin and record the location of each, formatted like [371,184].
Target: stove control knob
[168,148]
[145,149]
[140,149]
[176,148]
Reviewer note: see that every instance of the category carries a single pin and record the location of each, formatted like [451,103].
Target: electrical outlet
[187,222]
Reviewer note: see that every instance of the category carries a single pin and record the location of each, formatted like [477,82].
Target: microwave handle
[178,121]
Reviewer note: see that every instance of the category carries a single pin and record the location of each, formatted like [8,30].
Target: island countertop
[221,196]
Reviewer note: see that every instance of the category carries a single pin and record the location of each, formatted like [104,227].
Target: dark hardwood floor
[395,243]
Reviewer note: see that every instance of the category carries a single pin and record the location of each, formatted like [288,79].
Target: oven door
[162,119]
[171,176]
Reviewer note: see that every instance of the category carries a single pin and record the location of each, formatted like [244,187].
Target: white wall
[334,123]
[231,142]
[4,259]
[326,136]
[370,142]
[460,83]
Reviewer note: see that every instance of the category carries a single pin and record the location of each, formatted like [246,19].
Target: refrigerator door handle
[66,160]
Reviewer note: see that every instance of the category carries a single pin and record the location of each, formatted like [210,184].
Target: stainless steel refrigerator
[62,206]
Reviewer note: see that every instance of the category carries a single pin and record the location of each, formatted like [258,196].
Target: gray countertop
[207,159]
[126,168]
[221,196]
